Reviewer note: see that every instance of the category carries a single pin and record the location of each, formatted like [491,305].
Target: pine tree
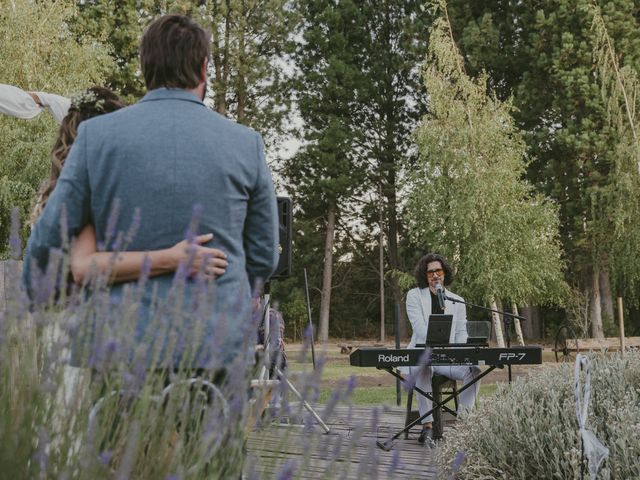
[542,54]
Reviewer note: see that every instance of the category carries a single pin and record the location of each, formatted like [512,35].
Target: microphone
[440,294]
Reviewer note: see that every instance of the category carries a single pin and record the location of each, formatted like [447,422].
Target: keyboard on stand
[460,354]
[408,357]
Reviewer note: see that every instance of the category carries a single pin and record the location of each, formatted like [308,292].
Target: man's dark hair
[420,271]
[172,50]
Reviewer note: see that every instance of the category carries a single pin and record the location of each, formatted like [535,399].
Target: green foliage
[38,52]
[250,41]
[120,28]
[112,416]
[468,199]
[291,302]
[250,67]
[357,94]
[328,169]
[620,89]
[118,416]
[542,54]
[529,429]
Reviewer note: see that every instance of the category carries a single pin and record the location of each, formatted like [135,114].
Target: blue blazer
[164,155]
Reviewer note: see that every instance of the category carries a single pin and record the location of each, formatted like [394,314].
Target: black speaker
[285,221]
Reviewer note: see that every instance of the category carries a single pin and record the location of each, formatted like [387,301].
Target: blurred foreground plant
[127,413]
[529,429]
[117,416]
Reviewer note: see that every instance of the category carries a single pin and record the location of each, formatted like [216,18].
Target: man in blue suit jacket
[164,155]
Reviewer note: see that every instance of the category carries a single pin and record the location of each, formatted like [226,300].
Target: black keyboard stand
[388,444]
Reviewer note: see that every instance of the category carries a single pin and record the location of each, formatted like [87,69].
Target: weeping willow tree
[620,90]
[468,198]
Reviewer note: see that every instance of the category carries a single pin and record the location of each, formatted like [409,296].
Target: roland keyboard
[408,357]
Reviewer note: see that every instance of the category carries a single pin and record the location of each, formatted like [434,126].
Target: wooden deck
[349,451]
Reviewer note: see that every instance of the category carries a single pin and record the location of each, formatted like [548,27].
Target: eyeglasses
[437,271]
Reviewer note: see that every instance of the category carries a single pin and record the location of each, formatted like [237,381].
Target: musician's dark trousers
[465,374]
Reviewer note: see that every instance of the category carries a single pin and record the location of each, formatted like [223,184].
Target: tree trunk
[621,325]
[241,88]
[606,297]
[531,327]
[595,312]
[325,301]
[381,267]
[497,325]
[216,55]
[221,58]
[516,324]
[392,243]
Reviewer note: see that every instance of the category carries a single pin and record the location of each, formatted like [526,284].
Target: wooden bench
[608,343]
[567,345]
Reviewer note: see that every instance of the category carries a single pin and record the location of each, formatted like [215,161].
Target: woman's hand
[210,261]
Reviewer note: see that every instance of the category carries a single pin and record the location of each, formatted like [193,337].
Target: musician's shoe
[426,437]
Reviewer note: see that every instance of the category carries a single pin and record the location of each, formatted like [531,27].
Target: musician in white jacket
[433,270]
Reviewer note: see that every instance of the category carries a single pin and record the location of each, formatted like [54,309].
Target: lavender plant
[81,400]
[529,429]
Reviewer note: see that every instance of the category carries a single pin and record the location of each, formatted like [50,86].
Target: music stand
[439,329]
[264,371]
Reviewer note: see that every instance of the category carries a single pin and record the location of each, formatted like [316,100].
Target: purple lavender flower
[457,462]
[396,462]
[117,244]
[41,456]
[196,216]
[15,243]
[134,227]
[128,460]
[351,385]
[425,358]
[288,470]
[105,457]
[145,270]
[64,224]
[112,221]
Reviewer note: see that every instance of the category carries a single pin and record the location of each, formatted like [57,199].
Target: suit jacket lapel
[448,305]
[449,310]
[425,303]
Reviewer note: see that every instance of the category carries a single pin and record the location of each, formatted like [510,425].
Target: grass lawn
[387,395]
[373,387]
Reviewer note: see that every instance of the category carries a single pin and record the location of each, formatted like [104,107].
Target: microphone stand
[508,317]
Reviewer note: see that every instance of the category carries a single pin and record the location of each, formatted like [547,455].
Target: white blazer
[419,309]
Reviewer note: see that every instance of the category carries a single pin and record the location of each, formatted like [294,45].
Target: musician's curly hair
[420,270]
[87,104]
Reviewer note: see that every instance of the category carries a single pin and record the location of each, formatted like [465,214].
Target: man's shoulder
[112,118]
[414,292]
[232,125]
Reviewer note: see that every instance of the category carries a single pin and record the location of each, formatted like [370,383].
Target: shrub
[117,417]
[529,429]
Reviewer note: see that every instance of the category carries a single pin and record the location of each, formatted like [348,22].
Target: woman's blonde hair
[87,104]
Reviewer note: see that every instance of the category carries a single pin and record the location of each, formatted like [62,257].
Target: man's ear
[203,70]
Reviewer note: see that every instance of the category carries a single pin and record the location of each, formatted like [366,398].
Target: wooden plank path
[349,451]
